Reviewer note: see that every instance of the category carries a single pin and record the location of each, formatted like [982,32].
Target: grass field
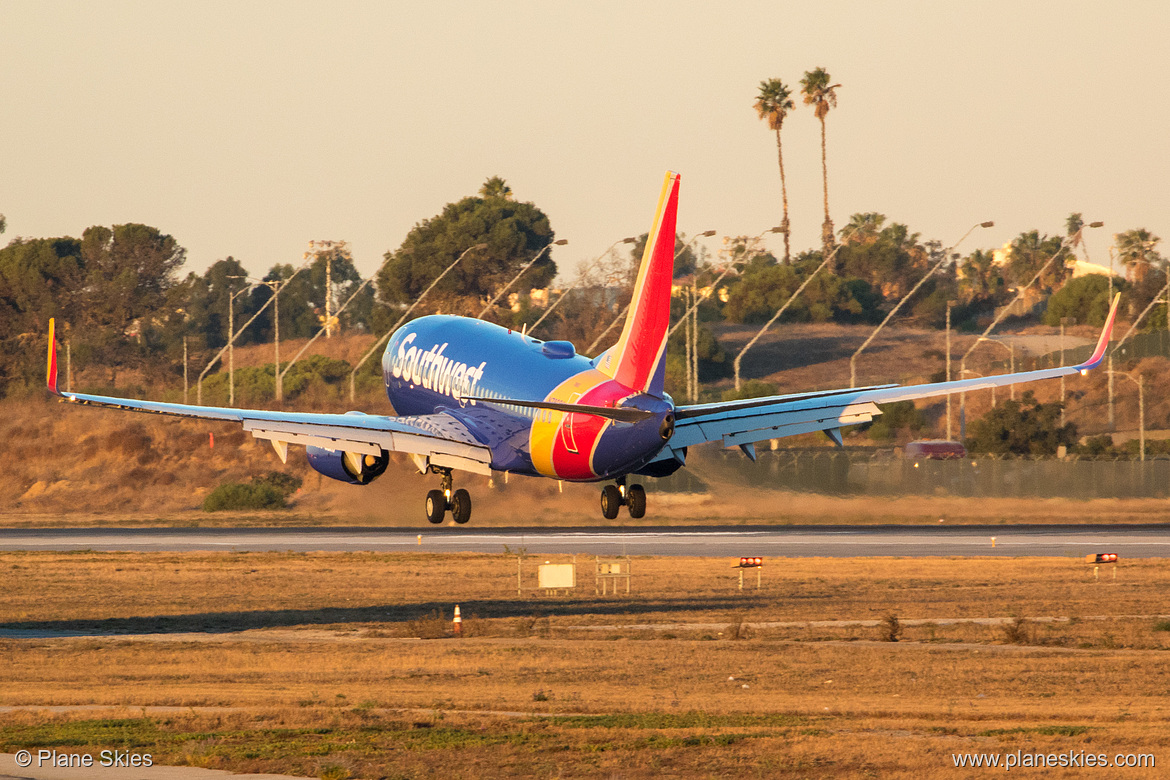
[339,665]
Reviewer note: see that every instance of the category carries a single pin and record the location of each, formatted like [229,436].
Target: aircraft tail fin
[638,359]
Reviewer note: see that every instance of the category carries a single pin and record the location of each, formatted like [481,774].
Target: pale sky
[247,129]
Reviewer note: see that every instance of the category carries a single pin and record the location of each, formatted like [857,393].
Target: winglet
[1103,342]
[51,372]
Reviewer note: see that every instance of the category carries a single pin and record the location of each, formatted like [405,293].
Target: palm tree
[773,103]
[1136,250]
[495,187]
[822,96]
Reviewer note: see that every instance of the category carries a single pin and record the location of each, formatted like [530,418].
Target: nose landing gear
[613,497]
[439,501]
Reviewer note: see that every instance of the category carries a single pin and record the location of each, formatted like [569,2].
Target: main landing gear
[439,501]
[613,497]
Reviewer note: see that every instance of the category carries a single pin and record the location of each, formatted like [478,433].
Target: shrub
[234,495]
[890,629]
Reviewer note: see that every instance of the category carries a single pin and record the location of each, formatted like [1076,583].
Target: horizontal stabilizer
[621,414]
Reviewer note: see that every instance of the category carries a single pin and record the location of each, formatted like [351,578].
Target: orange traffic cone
[458,622]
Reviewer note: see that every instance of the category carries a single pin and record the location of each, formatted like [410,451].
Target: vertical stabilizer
[638,359]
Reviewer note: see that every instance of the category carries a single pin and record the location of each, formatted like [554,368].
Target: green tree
[685,263]
[128,271]
[763,289]
[1029,253]
[1137,250]
[1024,427]
[39,278]
[888,257]
[822,96]
[1086,299]
[514,233]
[773,103]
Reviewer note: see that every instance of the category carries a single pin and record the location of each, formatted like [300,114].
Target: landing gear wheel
[611,501]
[436,506]
[636,501]
[461,506]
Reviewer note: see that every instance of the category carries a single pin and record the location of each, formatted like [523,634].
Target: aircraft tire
[461,506]
[636,500]
[436,506]
[611,501]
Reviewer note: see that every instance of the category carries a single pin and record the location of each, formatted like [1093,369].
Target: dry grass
[319,659]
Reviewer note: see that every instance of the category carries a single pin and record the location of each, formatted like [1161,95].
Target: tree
[822,96]
[514,233]
[1028,254]
[888,257]
[39,278]
[3,223]
[128,270]
[495,187]
[773,103]
[1085,298]
[685,263]
[1024,427]
[1137,250]
[764,288]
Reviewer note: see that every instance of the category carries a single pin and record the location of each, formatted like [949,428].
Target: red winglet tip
[51,373]
[1103,341]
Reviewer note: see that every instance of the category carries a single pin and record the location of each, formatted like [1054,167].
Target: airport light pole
[1063,322]
[622,313]
[1011,348]
[1074,238]
[516,278]
[575,285]
[405,314]
[218,355]
[950,305]
[946,255]
[232,339]
[828,259]
[1140,382]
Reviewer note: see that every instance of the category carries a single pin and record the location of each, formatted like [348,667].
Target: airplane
[477,397]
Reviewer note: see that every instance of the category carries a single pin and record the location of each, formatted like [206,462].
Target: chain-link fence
[885,474]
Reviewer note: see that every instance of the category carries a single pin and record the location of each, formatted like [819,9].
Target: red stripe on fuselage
[576,441]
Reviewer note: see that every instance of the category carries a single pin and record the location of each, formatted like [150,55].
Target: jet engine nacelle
[351,467]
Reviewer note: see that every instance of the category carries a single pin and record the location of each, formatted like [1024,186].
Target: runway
[1128,541]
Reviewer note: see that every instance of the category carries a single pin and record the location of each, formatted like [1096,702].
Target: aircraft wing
[744,422]
[432,439]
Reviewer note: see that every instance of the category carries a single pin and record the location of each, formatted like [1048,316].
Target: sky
[250,128]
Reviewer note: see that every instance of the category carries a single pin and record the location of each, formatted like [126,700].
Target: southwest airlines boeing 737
[477,397]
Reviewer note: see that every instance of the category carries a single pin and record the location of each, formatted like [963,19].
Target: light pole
[1070,239]
[1063,322]
[1011,348]
[622,313]
[232,339]
[570,288]
[950,305]
[405,314]
[218,355]
[1140,382]
[516,278]
[828,259]
[945,256]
